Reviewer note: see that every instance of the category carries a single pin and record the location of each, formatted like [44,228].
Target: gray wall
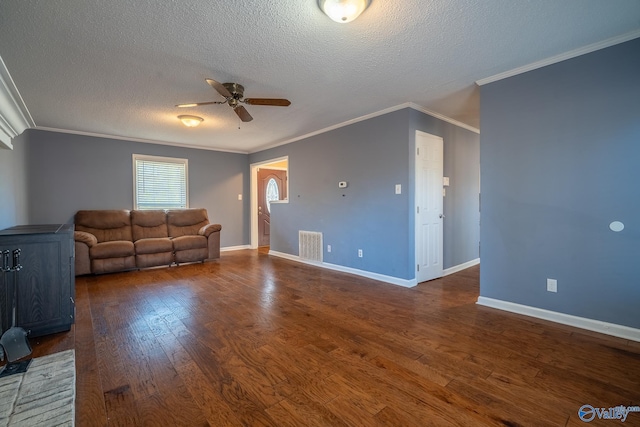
[560,156]
[13,182]
[67,173]
[373,156]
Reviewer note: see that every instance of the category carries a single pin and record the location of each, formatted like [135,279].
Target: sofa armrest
[84,237]
[212,233]
[208,229]
[83,241]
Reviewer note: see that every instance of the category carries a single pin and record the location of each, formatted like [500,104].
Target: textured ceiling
[118,67]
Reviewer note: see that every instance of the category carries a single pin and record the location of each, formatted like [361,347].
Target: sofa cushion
[153,260]
[110,265]
[106,225]
[191,255]
[184,243]
[148,224]
[153,246]
[116,249]
[184,222]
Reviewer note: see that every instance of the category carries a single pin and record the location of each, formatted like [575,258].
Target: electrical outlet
[398,188]
[552,285]
[359,253]
[328,248]
[239,196]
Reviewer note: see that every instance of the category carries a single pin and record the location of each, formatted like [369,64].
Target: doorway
[269,183]
[429,156]
[271,186]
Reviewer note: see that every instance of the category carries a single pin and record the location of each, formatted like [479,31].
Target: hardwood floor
[254,340]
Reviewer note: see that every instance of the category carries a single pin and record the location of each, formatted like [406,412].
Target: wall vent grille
[310,245]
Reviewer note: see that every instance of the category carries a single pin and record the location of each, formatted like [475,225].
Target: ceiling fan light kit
[343,11]
[190,121]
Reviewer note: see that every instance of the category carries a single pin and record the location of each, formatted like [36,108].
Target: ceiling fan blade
[268,101]
[219,87]
[197,104]
[243,113]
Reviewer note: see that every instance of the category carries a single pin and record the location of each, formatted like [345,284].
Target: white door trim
[253,211]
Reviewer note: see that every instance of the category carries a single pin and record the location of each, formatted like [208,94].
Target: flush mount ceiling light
[190,121]
[343,11]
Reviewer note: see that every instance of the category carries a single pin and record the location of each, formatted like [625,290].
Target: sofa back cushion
[106,225]
[184,222]
[148,224]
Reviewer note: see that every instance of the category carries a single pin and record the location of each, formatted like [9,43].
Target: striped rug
[43,396]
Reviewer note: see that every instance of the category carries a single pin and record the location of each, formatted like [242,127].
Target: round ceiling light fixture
[343,11]
[190,121]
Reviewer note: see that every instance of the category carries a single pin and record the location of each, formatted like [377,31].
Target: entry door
[429,211]
[272,185]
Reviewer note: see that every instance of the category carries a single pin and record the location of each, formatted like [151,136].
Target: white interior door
[429,210]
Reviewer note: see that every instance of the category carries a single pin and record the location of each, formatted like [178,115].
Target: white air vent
[310,245]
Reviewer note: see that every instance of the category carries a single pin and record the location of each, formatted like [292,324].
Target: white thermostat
[342,184]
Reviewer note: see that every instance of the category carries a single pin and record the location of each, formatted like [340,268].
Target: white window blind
[160,182]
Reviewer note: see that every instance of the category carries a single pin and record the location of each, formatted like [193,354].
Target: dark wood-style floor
[254,340]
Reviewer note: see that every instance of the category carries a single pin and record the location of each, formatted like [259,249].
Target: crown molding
[14,115]
[443,118]
[132,139]
[330,128]
[277,144]
[562,57]
[411,105]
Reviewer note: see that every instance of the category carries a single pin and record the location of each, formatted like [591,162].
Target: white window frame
[174,160]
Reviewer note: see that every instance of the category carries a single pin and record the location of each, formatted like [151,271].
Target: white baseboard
[613,329]
[460,267]
[234,248]
[406,283]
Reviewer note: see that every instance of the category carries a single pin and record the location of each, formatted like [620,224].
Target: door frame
[417,224]
[253,211]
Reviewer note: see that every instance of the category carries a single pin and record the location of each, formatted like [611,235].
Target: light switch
[239,196]
[445,181]
[398,188]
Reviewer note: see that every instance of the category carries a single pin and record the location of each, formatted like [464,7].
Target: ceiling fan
[233,94]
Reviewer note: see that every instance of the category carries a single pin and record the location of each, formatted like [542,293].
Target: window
[160,182]
[272,193]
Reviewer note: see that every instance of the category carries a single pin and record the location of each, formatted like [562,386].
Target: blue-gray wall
[54,174]
[373,156]
[560,158]
[13,183]
[67,173]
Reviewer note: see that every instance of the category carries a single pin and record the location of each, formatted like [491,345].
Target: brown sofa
[116,240]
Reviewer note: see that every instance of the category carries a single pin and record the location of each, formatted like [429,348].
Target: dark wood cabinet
[46,282]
